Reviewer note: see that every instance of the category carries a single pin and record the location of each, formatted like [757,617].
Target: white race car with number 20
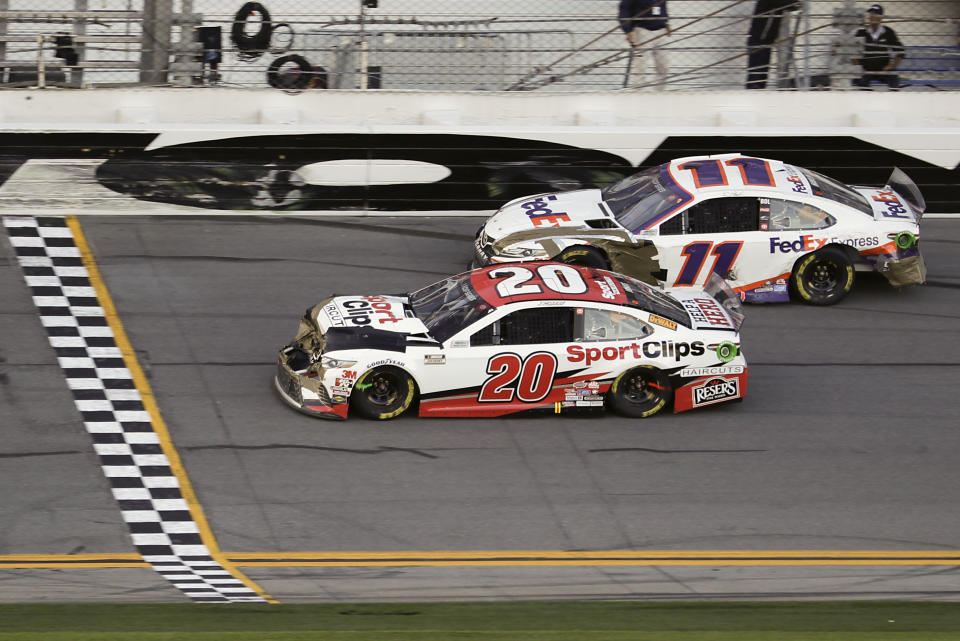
[513,338]
[767,227]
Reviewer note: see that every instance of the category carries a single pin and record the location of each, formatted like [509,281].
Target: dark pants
[892,80]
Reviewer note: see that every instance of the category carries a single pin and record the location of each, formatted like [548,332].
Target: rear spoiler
[908,190]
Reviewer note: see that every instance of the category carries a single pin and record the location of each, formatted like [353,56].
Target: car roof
[499,285]
[703,175]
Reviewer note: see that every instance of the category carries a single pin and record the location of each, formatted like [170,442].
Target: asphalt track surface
[837,477]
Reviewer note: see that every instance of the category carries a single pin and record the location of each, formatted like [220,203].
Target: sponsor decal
[434,359]
[652,349]
[858,242]
[361,311]
[695,372]
[608,288]
[806,242]
[333,313]
[663,322]
[460,343]
[716,390]
[894,208]
[540,213]
[337,398]
[798,185]
[706,310]
[385,361]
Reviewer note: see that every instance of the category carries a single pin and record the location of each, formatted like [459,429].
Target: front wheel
[640,392]
[383,393]
[823,277]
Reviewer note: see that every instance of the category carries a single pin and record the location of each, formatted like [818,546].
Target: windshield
[653,300]
[448,306]
[641,199]
[834,190]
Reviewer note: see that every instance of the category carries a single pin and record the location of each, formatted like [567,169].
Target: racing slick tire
[823,277]
[584,256]
[640,392]
[383,393]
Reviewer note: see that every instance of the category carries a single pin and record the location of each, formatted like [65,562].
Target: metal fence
[485,45]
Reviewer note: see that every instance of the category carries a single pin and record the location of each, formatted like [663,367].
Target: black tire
[584,256]
[383,393]
[298,73]
[823,277]
[640,392]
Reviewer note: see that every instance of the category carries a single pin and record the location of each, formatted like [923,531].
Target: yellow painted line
[421,558]
[599,557]
[150,404]
[21,561]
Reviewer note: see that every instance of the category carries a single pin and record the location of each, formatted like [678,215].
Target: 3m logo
[716,390]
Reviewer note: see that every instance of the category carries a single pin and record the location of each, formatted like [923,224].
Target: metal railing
[559,46]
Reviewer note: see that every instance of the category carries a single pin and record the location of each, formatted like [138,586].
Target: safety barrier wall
[186,151]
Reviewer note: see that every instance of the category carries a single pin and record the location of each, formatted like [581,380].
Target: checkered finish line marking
[147,479]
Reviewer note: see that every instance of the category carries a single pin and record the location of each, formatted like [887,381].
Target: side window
[537,325]
[484,336]
[672,227]
[723,215]
[790,214]
[608,325]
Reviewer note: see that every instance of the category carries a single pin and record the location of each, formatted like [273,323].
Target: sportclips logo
[716,390]
[663,349]
[361,312]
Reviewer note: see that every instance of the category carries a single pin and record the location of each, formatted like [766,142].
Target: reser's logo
[716,390]
[802,244]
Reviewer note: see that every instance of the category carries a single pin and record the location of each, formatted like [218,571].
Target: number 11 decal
[696,255]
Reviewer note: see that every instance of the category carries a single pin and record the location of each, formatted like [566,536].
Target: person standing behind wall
[764,29]
[641,20]
[882,51]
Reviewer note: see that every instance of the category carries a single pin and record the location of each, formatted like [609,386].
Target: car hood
[567,209]
[385,313]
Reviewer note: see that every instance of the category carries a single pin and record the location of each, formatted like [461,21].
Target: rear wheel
[584,256]
[640,392]
[383,393]
[823,277]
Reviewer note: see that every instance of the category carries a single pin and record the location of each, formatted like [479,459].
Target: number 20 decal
[696,255]
[561,279]
[530,379]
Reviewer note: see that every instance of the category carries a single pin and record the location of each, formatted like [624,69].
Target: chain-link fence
[492,45]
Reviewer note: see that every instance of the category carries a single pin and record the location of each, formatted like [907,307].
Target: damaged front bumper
[306,392]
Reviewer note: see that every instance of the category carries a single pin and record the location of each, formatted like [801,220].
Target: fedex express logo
[798,185]
[541,215]
[805,243]
[894,208]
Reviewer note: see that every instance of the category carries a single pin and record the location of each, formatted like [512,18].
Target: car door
[505,364]
[717,235]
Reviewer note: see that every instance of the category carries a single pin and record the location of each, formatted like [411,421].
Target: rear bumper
[715,387]
[902,272]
